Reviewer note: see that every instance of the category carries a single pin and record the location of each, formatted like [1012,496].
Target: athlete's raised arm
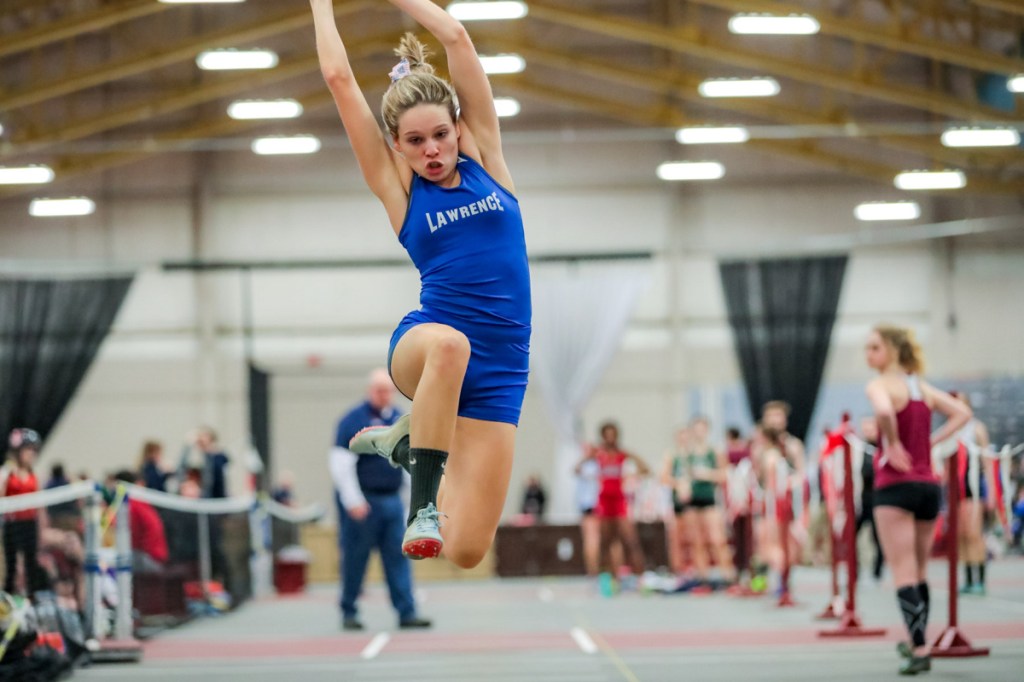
[376,159]
[476,100]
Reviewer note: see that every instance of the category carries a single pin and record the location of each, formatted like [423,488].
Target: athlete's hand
[898,457]
[359,513]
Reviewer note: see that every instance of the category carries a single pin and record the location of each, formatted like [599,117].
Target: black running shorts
[920,499]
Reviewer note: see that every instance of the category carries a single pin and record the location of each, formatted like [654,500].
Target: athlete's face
[27,458]
[775,419]
[877,352]
[428,138]
[700,431]
[380,394]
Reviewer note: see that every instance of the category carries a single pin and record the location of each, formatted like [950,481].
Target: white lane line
[583,640]
[375,646]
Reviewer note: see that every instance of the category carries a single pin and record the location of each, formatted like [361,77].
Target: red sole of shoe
[362,431]
[422,549]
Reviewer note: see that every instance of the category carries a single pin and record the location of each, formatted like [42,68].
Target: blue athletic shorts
[499,366]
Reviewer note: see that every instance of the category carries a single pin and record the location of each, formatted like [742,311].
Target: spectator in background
[149,542]
[738,499]
[21,528]
[534,498]
[214,463]
[371,513]
[775,422]
[64,515]
[154,475]
[613,506]
[737,448]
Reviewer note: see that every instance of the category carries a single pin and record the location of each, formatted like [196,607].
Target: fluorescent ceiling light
[200,2]
[691,170]
[712,135]
[503,63]
[912,180]
[224,60]
[293,144]
[887,210]
[1016,83]
[770,24]
[48,208]
[506,106]
[981,137]
[1,128]
[739,87]
[25,175]
[276,108]
[483,11]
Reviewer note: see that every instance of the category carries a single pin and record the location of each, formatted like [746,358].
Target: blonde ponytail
[413,82]
[908,351]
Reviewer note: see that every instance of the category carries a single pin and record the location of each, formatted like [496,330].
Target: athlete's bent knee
[450,350]
[465,556]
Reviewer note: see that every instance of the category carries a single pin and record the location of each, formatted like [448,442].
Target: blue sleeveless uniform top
[468,244]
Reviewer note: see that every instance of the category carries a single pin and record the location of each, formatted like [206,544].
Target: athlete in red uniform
[21,528]
[907,493]
[612,506]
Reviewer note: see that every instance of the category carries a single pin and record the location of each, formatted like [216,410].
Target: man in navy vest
[371,511]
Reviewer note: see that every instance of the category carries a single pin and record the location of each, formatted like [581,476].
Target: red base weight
[953,644]
[850,626]
[828,614]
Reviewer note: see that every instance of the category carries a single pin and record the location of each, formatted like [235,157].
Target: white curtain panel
[579,319]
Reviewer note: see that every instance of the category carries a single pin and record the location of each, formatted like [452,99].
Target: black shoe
[414,622]
[905,650]
[915,665]
[352,624]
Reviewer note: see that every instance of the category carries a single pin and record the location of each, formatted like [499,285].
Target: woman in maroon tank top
[907,493]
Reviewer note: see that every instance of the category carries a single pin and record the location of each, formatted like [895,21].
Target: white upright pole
[94,628]
[123,630]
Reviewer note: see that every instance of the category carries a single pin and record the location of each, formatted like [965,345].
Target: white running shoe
[423,536]
[380,440]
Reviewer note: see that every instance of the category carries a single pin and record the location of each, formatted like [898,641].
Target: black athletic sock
[922,589]
[400,455]
[914,610]
[426,468]
[970,574]
[981,574]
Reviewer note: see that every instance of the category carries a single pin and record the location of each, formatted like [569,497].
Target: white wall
[174,359]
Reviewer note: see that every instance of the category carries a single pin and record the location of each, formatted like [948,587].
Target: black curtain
[259,419]
[781,313]
[50,331]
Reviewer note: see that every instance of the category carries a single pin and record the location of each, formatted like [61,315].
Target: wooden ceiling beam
[73,167]
[1008,6]
[803,150]
[78,24]
[885,35]
[696,43]
[183,51]
[179,100]
[683,85]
